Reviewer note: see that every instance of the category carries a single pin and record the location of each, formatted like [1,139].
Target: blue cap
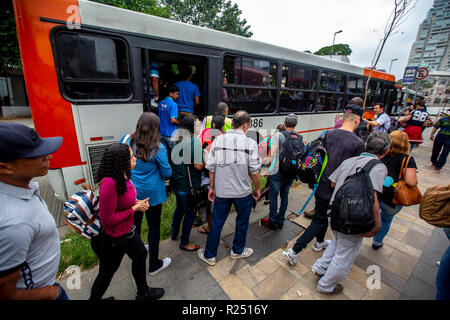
[19,141]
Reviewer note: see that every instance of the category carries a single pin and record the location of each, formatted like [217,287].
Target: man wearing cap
[340,144]
[279,183]
[29,240]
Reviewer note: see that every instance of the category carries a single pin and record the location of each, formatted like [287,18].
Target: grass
[76,250]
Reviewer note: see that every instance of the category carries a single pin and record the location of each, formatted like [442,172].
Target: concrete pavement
[406,261]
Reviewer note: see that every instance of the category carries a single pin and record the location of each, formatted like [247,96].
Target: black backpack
[313,161]
[352,207]
[290,155]
[362,131]
[394,125]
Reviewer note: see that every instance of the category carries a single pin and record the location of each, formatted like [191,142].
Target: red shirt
[115,211]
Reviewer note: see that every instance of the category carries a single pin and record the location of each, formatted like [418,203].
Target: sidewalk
[407,260]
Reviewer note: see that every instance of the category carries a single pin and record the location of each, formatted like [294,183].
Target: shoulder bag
[198,196]
[404,195]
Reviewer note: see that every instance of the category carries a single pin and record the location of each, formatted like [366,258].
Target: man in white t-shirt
[29,240]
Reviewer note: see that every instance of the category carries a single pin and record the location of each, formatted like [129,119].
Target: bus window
[252,100]
[297,101]
[299,78]
[331,81]
[355,85]
[93,67]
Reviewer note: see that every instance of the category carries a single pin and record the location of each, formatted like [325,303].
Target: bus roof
[100,15]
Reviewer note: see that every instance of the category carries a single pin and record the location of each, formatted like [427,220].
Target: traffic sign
[410,75]
[422,73]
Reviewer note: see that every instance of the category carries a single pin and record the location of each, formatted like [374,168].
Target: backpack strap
[372,163]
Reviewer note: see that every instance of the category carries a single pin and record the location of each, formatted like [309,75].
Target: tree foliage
[9,46]
[338,50]
[220,15]
[152,7]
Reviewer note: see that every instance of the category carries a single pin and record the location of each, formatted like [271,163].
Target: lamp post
[332,47]
[395,59]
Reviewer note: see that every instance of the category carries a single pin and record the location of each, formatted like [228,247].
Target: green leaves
[338,50]
[9,46]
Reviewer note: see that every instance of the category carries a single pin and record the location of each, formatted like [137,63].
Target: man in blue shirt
[168,117]
[189,94]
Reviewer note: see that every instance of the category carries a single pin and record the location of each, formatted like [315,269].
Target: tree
[402,10]
[220,15]
[338,50]
[152,7]
[9,47]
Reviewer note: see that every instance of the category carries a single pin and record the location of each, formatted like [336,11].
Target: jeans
[62,293]
[438,157]
[181,210]
[110,251]
[317,228]
[221,210]
[168,143]
[387,214]
[443,277]
[278,185]
[153,216]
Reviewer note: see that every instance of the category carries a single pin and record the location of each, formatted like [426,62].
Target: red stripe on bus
[314,130]
[79,181]
[96,138]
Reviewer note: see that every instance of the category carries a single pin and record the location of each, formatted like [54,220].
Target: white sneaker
[290,256]
[146,246]
[321,245]
[166,263]
[201,255]
[245,254]
[438,263]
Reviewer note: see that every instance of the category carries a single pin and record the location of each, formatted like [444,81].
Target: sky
[310,25]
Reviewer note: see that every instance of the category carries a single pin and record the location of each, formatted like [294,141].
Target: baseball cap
[290,120]
[353,108]
[19,141]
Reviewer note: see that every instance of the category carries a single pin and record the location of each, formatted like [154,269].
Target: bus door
[162,69]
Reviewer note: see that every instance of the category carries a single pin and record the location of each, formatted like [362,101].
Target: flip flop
[202,229]
[195,249]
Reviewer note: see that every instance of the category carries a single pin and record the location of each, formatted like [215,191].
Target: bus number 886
[255,123]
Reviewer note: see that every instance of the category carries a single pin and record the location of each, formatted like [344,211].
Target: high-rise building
[432,46]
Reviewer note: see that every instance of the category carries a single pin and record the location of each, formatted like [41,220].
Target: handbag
[404,195]
[199,195]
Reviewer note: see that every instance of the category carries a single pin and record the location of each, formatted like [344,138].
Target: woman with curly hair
[398,151]
[152,167]
[187,141]
[117,206]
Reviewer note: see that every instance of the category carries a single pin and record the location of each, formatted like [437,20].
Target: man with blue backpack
[340,144]
[287,145]
[355,212]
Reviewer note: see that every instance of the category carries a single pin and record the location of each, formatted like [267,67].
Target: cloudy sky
[310,25]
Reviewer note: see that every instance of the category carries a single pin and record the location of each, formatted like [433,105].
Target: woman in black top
[398,150]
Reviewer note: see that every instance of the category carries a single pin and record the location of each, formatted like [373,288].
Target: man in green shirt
[441,145]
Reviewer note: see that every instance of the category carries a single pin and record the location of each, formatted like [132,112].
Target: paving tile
[276,285]
[426,272]
[302,221]
[421,229]
[419,290]
[268,265]
[385,293]
[406,216]
[236,289]
[299,270]
[358,275]
[380,256]
[300,291]
[308,257]
[423,224]
[403,247]
[225,267]
[251,275]
[353,289]
[286,297]
[416,239]
[403,222]
[401,264]
[310,281]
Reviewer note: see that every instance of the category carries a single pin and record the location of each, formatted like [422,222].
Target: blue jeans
[221,210]
[387,214]
[278,185]
[181,210]
[62,293]
[443,277]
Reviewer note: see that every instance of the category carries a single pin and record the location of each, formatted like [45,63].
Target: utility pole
[332,47]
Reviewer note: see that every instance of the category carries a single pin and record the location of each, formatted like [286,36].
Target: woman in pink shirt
[117,204]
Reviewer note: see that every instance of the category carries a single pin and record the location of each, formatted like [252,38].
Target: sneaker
[337,289]
[146,246]
[201,255]
[166,263]
[376,247]
[151,294]
[433,165]
[269,224]
[438,263]
[321,245]
[245,254]
[290,256]
[437,170]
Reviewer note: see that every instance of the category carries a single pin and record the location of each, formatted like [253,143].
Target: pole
[332,47]
[417,88]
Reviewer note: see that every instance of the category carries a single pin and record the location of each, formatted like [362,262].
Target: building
[432,46]
[438,97]
[13,95]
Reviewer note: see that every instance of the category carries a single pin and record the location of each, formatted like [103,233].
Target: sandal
[185,249]
[203,230]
